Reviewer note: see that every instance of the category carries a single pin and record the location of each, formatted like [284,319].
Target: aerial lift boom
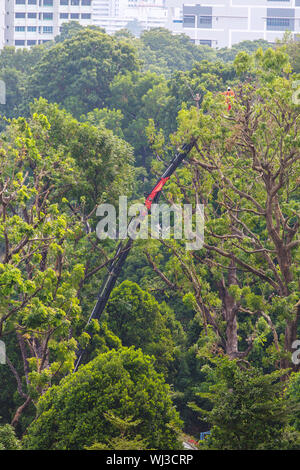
[123,249]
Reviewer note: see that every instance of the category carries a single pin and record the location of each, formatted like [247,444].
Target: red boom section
[155,191]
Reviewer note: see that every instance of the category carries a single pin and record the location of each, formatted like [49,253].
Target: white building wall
[27,22]
[113,15]
[232,21]
[2,22]
[30,22]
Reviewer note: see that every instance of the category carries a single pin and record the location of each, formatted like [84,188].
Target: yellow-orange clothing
[229,94]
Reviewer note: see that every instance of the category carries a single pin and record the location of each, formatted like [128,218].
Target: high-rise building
[30,22]
[217,23]
[2,23]
[113,15]
[222,23]
[108,7]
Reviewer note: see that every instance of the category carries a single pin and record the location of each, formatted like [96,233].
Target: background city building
[113,15]
[2,23]
[30,22]
[222,23]
[217,23]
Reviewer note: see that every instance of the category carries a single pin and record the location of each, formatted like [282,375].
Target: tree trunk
[20,411]
[229,313]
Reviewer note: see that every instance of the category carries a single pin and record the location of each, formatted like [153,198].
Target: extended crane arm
[123,249]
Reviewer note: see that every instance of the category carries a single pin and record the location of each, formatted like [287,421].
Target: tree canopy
[77,72]
[193,340]
[72,415]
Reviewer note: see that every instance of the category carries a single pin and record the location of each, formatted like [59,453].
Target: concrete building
[217,23]
[111,8]
[113,15]
[222,23]
[2,23]
[30,22]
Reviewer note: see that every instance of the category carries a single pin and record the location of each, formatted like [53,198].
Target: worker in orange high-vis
[229,94]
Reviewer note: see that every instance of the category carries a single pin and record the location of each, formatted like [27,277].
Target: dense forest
[191,341]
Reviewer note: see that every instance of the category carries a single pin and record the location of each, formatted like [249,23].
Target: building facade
[113,15]
[31,22]
[2,23]
[217,23]
[222,23]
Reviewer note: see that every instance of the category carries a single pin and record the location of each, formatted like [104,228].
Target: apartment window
[280,19]
[31,2]
[74,2]
[20,2]
[31,42]
[19,42]
[31,29]
[47,29]
[20,29]
[47,16]
[85,16]
[205,42]
[64,16]
[189,21]
[48,3]
[85,2]
[278,24]
[74,16]
[205,21]
[31,15]
[20,15]
[64,2]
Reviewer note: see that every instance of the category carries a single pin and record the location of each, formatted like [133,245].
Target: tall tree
[139,320]
[122,383]
[245,170]
[77,72]
[250,409]
[43,237]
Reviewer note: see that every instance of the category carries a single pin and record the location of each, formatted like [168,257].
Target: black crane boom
[123,248]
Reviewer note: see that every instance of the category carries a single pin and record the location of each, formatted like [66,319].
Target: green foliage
[43,242]
[103,160]
[122,442]
[228,55]
[77,72]
[67,30]
[109,118]
[38,297]
[138,320]
[140,96]
[169,53]
[242,273]
[292,48]
[250,410]
[162,52]
[293,392]
[237,297]
[122,383]
[8,440]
